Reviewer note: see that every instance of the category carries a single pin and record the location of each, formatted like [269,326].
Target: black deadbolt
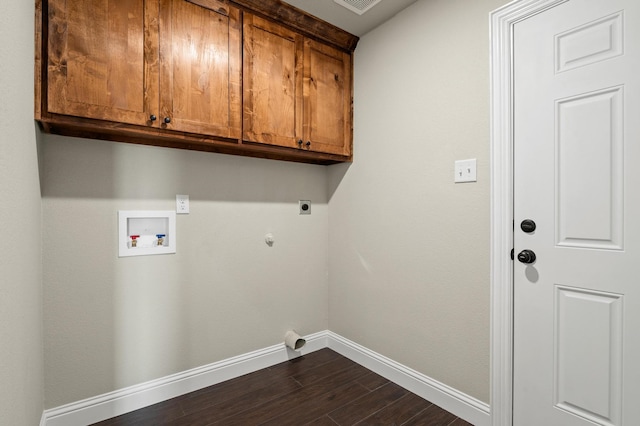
[528,226]
[527,256]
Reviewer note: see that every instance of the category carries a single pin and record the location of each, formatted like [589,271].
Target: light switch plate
[465,171]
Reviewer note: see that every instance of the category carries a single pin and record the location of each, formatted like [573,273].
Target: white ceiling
[342,17]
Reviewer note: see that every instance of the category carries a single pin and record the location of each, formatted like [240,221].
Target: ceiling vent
[358,6]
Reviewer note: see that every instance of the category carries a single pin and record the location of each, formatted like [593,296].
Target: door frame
[502,22]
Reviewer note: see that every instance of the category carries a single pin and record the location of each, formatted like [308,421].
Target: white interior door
[577,176]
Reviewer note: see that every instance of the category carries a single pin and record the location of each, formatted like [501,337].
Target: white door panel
[589,43]
[577,175]
[589,170]
[588,351]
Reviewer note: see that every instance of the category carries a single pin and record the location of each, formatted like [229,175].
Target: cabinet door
[200,48]
[272,83]
[97,65]
[327,99]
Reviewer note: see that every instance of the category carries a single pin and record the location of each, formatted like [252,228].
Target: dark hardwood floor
[321,388]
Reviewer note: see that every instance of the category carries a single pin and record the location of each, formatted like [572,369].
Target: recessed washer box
[146,232]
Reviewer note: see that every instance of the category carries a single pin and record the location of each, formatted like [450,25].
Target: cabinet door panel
[272,83]
[200,67]
[327,98]
[96,63]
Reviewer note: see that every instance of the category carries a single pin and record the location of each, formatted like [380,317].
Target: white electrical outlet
[182,204]
[465,171]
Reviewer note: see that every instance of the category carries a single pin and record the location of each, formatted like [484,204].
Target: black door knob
[528,226]
[153,117]
[308,144]
[526,256]
[167,120]
[300,143]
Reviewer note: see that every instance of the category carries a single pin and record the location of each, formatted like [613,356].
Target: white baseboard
[122,401]
[460,404]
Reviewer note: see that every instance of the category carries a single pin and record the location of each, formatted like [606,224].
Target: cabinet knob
[308,144]
[167,120]
[300,143]
[153,117]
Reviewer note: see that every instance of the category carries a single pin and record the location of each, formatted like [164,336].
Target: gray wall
[21,363]
[113,322]
[409,249]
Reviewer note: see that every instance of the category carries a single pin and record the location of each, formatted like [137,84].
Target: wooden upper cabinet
[297,91]
[97,64]
[327,99]
[141,62]
[272,83]
[248,77]
[200,67]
